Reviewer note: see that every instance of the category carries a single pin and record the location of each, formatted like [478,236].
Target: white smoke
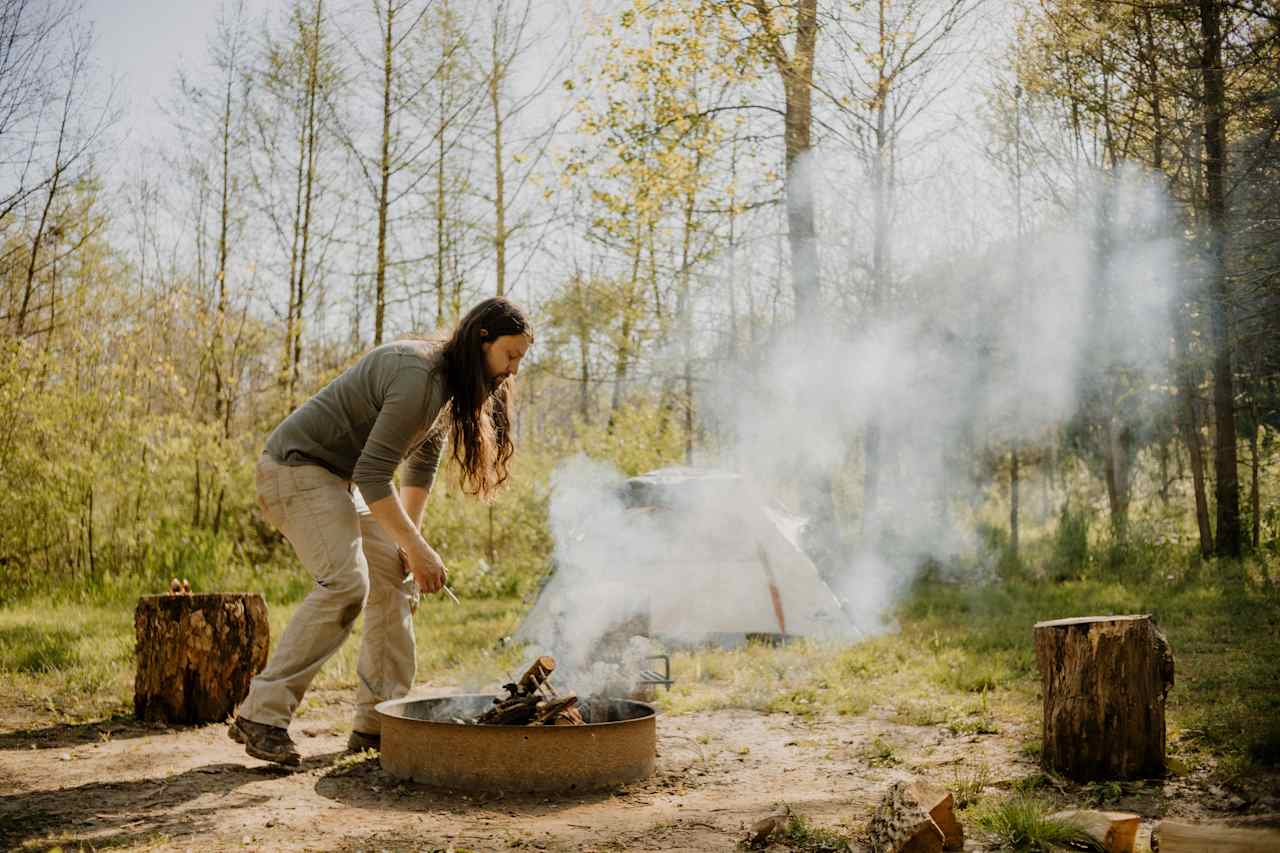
[994,350]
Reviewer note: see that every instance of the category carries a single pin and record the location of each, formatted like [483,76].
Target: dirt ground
[118,784]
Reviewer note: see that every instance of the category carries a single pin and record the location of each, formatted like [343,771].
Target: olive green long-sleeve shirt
[381,410]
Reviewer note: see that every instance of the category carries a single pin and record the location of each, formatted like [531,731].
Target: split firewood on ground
[1115,832]
[532,701]
[766,829]
[1176,837]
[915,818]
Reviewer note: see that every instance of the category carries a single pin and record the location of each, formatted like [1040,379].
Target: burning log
[515,711]
[532,701]
[550,711]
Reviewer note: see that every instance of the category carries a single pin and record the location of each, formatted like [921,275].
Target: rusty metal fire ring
[421,741]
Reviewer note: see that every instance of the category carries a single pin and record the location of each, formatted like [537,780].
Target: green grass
[803,835]
[63,663]
[1022,823]
[961,661]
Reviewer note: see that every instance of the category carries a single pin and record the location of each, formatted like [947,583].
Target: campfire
[532,701]
[529,737]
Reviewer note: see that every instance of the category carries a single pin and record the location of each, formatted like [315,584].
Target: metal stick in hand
[408,575]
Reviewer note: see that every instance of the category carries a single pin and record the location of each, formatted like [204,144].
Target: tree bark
[1104,681]
[196,654]
[1227,486]
[1117,454]
[1014,500]
[384,189]
[1189,425]
[313,90]
[496,76]
[796,72]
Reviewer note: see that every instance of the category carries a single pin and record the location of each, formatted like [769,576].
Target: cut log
[1116,832]
[513,712]
[902,824]
[941,806]
[1175,837]
[196,654]
[763,831]
[1104,679]
[536,675]
[549,710]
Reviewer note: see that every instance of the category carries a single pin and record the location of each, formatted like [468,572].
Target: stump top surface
[199,596]
[1082,620]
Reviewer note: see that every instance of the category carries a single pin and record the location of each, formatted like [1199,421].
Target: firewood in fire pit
[536,675]
[532,701]
[515,711]
[550,711]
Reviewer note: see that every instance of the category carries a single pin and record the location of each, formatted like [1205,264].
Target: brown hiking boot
[270,743]
[360,741]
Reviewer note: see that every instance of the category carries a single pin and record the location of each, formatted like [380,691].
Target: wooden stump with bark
[1105,679]
[196,654]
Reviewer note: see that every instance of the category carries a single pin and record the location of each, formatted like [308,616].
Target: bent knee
[349,596]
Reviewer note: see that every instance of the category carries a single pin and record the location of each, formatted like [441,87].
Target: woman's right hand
[426,567]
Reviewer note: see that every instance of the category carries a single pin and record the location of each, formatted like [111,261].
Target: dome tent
[685,555]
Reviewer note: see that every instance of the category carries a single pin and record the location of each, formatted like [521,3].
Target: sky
[142,43]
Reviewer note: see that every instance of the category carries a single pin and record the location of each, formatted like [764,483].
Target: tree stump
[197,654]
[1104,680]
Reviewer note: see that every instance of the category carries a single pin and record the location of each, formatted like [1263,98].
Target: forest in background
[670,188]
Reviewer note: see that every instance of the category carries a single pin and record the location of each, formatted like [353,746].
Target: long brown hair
[481,410]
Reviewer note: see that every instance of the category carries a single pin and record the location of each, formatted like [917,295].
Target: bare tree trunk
[55,178]
[93,566]
[1015,504]
[384,169]
[686,317]
[622,362]
[295,245]
[224,219]
[1185,414]
[1014,501]
[584,393]
[313,87]
[440,213]
[1215,167]
[1255,500]
[1189,426]
[733,251]
[1117,447]
[797,83]
[498,73]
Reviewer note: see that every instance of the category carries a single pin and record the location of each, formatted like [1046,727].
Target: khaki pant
[353,562]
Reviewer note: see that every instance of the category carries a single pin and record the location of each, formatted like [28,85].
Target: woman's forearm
[392,517]
[414,501]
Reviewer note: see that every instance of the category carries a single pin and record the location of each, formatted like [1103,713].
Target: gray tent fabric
[698,557]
